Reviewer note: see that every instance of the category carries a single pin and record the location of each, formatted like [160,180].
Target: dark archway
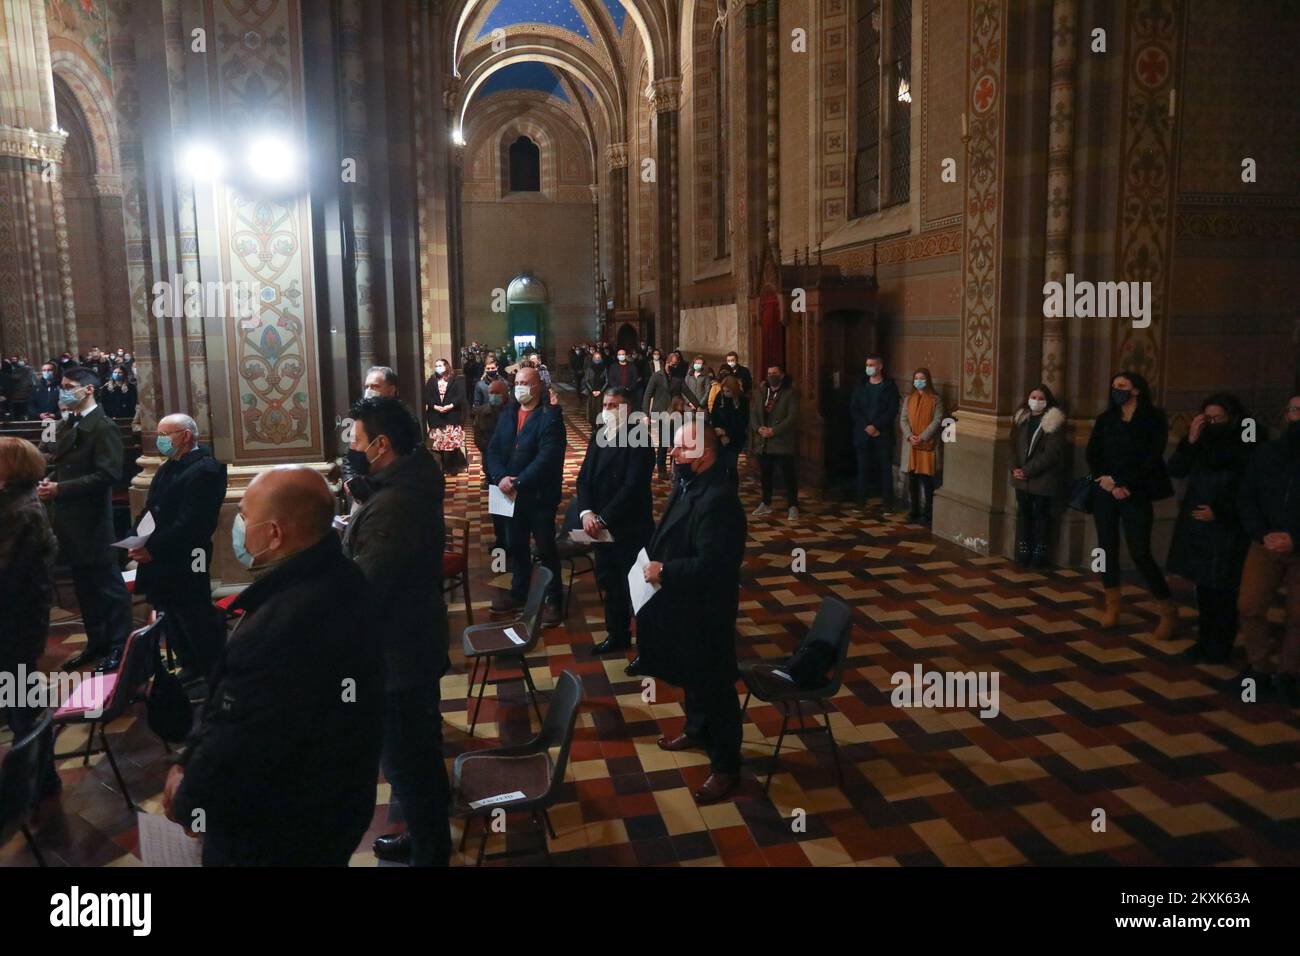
[525,166]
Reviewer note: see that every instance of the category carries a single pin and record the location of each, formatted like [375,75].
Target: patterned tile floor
[1089,721]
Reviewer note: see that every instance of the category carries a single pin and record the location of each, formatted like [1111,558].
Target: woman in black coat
[1126,455]
[1037,467]
[729,418]
[1209,544]
[445,399]
[27,551]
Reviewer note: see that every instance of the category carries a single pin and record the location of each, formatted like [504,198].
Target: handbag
[1080,498]
[167,707]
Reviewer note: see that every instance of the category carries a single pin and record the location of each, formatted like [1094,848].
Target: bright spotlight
[201,162]
[272,160]
[458,137]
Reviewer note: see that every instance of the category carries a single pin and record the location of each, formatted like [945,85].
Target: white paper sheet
[341,522]
[510,633]
[141,536]
[499,798]
[640,589]
[128,576]
[601,537]
[500,503]
[163,843]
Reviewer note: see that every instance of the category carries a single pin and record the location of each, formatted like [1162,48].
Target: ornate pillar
[352,67]
[36,304]
[665,100]
[773,129]
[616,160]
[1060,183]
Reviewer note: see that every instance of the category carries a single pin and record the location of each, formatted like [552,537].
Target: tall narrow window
[525,166]
[883,105]
[721,179]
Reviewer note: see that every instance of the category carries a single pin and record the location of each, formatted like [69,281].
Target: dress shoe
[633,669]
[111,663]
[87,657]
[680,742]
[719,786]
[611,646]
[393,847]
[553,616]
[503,603]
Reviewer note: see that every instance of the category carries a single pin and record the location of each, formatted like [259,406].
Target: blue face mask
[237,532]
[68,397]
[918,383]
[48,376]
[165,446]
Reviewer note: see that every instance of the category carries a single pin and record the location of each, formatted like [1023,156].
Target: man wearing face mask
[185,499]
[623,374]
[775,421]
[398,539]
[593,384]
[525,459]
[874,409]
[698,384]
[380,382]
[85,465]
[44,402]
[732,366]
[686,632]
[284,759]
[614,495]
[22,382]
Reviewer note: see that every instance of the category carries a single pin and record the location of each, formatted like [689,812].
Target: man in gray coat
[774,417]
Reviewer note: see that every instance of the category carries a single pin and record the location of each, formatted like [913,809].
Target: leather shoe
[88,656]
[680,742]
[633,669]
[717,787]
[610,646]
[393,847]
[112,662]
[553,616]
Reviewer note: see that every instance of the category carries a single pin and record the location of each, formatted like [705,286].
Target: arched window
[525,166]
[882,161]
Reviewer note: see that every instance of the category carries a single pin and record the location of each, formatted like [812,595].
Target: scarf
[920,409]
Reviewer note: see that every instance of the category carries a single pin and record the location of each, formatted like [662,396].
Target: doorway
[847,337]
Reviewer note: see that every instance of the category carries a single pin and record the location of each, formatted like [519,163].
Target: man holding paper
[686,632]
[614,499]
[179,519]
[525,460]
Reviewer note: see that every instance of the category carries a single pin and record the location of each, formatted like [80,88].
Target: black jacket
[86,464]
[398,538]
[535,457]
[625,376]
[883,414]
[687,632]
[614,482]
[1132,452]
[1039,451]
[742,373]
[1270,492]
[456,395]
[285,758]
[119,401]
[27,552]
[44,399]
[1210,553]
[185,499]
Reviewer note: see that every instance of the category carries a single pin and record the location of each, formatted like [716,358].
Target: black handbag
[1080,498]
[167,707]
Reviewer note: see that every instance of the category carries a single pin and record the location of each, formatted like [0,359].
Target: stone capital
[665,95]
[32,144]
[106,184]
[616,155]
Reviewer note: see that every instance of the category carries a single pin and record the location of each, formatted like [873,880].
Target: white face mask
[610,417]
[871,371]
[1037,404]
[440,369]
[523,393]
[371,393]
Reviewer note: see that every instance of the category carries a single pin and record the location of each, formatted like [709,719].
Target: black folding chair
[486,642]
[20,780]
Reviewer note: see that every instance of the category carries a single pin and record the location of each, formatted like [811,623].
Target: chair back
[832,626]
[557,728]
[532,615]
[458,531]
[20,775]
[139,657]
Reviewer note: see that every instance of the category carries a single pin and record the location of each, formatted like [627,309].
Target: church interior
[260,202]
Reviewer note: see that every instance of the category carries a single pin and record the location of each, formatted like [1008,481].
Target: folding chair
[833,626]
[20,777]
[484,642]
[484,780]
[455,562]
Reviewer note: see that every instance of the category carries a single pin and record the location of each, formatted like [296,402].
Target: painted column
[352,91]
[616,161]
[1060,184]
[665,100]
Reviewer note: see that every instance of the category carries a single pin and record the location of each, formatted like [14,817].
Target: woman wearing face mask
[1126,455]
[119,398]
[920,419]
[444,401]
[659,394]
[1037,466]
[728,416]
[1209,544]
[27,551]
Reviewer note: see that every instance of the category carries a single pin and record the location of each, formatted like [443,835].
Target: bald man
[185,499]
[686,633]
[284,761]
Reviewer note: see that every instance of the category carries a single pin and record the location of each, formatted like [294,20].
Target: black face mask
[358,461]
[774,381]
[1119,396]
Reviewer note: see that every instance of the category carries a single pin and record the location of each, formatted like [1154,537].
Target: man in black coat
[397,539]
[614,496]
[282,767]
[526,461]
[185,499]
[381,382]
[85,465]
[874,410]
[686,633]
[623,374]
[44,402]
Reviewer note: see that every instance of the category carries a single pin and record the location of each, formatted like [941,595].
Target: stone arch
[93,96]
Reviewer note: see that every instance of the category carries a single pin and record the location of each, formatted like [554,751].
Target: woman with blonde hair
[27,551]
[920,419]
